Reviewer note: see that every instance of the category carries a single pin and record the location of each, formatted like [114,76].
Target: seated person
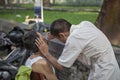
[36,61]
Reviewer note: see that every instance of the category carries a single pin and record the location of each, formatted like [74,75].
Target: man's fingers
[40,39]
[40,35]
[37,42]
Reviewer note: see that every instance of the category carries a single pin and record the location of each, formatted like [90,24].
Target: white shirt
[88,44]
[30,62]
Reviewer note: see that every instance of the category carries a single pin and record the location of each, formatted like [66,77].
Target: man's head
[60,29]
[29,41]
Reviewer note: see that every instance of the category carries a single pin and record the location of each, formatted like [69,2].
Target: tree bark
[109,20]
[2,3]
[46,3]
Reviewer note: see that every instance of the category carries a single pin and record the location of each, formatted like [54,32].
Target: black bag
[4,40]
[5,43]
[16,35]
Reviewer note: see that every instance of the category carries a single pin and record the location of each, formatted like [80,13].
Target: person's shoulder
[42,62]
[39,66]
[86,22]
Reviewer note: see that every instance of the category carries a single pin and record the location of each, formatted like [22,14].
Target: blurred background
[72,10]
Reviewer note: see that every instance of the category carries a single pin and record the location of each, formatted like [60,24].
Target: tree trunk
[2,3]
[109,20]
[46,3]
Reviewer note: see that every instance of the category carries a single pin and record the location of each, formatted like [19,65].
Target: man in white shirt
[86,43]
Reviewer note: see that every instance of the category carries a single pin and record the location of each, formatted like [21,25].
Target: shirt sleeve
[71,51]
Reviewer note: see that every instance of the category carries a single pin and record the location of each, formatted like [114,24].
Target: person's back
[38,63]
[97,50]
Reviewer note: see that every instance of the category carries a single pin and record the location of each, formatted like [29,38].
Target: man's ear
[61,35]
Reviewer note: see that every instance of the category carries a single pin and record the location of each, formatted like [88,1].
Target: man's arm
[53,60]
[43,47]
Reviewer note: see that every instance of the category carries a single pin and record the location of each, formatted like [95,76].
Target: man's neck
[37,54]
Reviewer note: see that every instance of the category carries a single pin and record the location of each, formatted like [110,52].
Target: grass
[76,15]
[49,16]
[73,17]
[15,15]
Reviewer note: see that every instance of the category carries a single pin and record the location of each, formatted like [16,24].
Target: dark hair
[59,25]
[16,35]
[29,41]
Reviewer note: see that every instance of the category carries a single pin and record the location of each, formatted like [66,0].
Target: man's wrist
[46,55]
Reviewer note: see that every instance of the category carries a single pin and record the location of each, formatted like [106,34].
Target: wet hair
[29,41]
[59,25]
[15,35]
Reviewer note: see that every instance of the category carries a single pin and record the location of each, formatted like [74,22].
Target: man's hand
[41,44]
[43,47]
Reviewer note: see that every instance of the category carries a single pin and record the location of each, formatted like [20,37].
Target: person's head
[29,41]
[60,29]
